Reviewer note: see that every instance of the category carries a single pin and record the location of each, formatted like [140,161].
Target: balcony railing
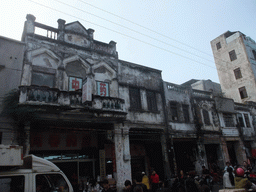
[42,95]
[199,93]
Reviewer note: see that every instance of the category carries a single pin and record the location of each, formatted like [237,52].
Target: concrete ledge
[232,190]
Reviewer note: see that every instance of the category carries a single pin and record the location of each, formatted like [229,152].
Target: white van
[36,175]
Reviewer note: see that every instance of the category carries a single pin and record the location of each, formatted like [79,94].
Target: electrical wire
[157,33]
[121,34]
[134,31]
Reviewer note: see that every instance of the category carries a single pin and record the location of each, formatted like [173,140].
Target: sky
[169,35]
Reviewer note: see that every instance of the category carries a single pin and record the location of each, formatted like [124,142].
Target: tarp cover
[39,164]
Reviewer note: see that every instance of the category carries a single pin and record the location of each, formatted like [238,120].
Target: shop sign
[102,163]
[102,89]
[75,83]
[62,141]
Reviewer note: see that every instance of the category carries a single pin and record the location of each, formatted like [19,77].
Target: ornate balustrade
[42,95]
[108,103]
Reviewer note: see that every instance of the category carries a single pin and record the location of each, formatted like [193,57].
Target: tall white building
[235,59]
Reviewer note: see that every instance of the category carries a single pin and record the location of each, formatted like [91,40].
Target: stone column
[224,149]
[201,157]
[61,28]
[165,157]
[30,24]
[26,145]
[123,157]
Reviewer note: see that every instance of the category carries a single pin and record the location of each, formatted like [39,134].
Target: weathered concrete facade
[11,53]
[107,112]
[204,126]
[235,59]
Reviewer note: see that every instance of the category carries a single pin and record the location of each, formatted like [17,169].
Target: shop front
[81,151]
[146,152]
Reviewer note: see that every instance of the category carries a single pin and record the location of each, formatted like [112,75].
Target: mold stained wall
[133,75]
[181,97]
[11,54]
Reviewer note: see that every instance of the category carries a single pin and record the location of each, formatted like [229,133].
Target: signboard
[102,89]
[75,83]
[87,90]
[102,163]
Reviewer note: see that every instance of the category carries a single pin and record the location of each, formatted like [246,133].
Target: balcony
[45,96]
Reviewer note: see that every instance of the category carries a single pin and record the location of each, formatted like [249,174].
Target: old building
[94,115]
[204,127]
[11,54]
[235,59]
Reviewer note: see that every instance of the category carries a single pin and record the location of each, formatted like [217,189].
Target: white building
[235,59]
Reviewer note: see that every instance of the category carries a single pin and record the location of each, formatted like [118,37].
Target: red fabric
[154,178]
[254,153]
[252,175]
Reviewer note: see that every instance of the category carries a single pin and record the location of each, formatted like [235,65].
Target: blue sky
[170,35]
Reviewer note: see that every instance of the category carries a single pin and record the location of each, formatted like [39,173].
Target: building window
[218,45]
[238,73]
[174,111]
[185,109]
[240,119]
[151,99]
[134,98]
[243,93]
[102,89]
[247,121]
[43,79]
[228,120]
[206,117]
[254,54]
[232,55]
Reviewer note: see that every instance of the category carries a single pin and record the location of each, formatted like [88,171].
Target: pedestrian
[228,164]
[154,181]
[94,186]
[145,180]
[241,181]
[128,186]
[138,181]
[228,179]
[106,187]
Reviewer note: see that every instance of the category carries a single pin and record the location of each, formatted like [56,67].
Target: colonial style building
[95,116]
[235,59]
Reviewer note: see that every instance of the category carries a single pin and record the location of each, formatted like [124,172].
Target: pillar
[30,24]
[224,149]
[201,159]
[26,145]
[61,28]
[123,157]
[165,157]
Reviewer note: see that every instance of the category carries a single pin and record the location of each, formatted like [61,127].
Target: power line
[121,34]
[134,31]
[160,35]
[145,28]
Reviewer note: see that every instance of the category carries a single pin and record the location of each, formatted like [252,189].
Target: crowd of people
[143,183]
[232,178]
[239,177]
